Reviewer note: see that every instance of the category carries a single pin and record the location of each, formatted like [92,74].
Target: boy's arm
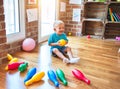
[51,41]
[53,44]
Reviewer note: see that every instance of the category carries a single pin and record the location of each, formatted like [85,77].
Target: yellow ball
[62,42]
[69,33]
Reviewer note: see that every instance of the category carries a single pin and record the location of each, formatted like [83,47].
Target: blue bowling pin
[53,77]
[30,73]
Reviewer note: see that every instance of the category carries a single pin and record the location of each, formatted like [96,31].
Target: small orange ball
[69,33]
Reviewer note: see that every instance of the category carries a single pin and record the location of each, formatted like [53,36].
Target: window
[14,19]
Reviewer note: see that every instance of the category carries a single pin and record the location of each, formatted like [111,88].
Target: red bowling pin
[14,65]
[79,75]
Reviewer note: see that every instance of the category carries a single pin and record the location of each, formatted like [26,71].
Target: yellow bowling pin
[37,77]
[13,60]
[9,57]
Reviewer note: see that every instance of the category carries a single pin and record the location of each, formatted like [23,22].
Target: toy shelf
[101,18]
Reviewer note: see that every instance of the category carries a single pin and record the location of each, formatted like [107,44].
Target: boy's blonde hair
[57,23]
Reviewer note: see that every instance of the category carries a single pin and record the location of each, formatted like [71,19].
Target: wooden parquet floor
[99,61]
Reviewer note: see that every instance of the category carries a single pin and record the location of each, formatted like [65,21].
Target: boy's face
[60,29]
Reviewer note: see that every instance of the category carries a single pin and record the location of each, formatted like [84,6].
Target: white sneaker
[66,60]
[74,60]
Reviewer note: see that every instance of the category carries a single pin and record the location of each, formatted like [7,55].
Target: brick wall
[71,26]
[2,32]
[31,27]
[31,31]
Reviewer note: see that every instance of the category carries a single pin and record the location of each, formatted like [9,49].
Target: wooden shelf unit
[112,28]
[96,19]
[94,14]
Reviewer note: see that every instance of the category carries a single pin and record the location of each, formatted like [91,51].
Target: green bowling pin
[23,67]
[60,74]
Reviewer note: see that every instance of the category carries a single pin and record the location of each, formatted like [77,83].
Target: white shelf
[92,19]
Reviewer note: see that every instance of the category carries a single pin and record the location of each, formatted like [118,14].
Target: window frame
[21,34]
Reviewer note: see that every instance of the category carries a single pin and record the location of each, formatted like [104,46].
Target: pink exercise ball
[28,44]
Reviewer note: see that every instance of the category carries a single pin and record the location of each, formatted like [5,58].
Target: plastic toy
[28,44]
[61,76]
[13,65]
[117,38]
[37,77]
[62,42]
[88,36]
[30,74]
[11,61]
[69,33]
[23,67]
[9,57]
[79,75]
[53,77]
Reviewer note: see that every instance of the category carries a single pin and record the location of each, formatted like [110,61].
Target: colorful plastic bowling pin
[61,76]
[23,67]
[37,77]
[79,75]
[30,74]
[53,77]
[11,61]
[14,65]
[9,57]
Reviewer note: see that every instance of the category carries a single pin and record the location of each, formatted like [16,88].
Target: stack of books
[113,16]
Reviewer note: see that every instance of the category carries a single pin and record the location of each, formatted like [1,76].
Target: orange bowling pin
[37,77]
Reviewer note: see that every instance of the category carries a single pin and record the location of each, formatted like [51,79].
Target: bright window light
[14,11]
[11,8]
